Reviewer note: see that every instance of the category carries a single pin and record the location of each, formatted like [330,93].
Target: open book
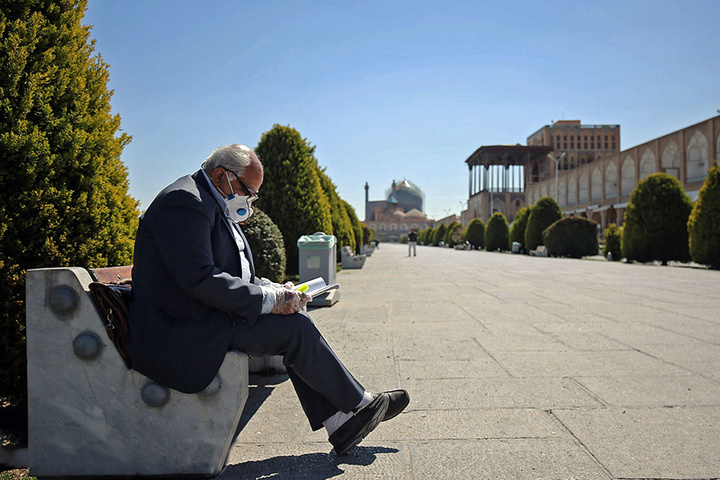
[316,287]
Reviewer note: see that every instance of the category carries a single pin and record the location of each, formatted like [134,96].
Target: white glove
[289,301]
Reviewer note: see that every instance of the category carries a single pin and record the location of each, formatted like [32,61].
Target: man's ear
[217,175]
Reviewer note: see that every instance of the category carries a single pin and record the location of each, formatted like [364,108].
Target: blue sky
[396,89]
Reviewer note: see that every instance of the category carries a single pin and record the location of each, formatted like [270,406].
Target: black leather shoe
[399,399]
[360,425]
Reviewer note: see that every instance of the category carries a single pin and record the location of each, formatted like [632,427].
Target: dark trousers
[322,383]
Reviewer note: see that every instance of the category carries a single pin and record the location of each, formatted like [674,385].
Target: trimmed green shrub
[439,234]
[543,214]
[497,233]
[475,234]
[450,232]
[291,193]
[704,223]
[573,237]
[613,242]
[519,226]
[656,221]
[267,246]
[63,187]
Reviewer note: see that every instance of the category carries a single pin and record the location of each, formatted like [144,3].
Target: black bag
[113,301]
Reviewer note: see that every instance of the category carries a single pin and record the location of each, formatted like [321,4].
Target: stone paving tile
[516,459]
[534,342]
[473,368]
[438,348]
[442,394]
[588,363]
[652,390]
[470,424]
[650,442]
[589,341]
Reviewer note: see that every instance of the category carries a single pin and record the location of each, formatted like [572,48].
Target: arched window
[498,205]
[393,227]
[647,163]
[572,189]
[697,157]
[611,181]
[583,187]
[596,185]
[670,159]
[627,178]
[382,227]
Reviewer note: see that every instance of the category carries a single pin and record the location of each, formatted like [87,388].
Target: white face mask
[239,206]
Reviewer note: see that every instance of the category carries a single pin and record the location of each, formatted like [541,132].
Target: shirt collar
[219,198]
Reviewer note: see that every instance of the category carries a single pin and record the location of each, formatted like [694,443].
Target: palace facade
[582,167]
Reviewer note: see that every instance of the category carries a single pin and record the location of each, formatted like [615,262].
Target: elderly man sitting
[195,296]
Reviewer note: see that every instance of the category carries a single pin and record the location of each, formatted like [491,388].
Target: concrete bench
[91,416]
[540,251]
[350,260]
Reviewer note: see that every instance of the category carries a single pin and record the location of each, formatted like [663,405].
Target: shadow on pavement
[306,466]
[261,386]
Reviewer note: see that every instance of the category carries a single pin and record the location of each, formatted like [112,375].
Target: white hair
[235,158]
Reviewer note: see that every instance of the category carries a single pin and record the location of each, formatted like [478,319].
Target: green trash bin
[318,257]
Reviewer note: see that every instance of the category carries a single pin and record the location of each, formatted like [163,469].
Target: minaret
[367,201]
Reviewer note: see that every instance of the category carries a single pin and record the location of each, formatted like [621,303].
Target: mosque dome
[406,195]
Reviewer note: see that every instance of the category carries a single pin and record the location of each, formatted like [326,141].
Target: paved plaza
[518,368]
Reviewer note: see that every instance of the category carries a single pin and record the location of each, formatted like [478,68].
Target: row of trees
[661,223]
[300,197]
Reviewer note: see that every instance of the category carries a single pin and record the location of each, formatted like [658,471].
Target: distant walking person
[412,242]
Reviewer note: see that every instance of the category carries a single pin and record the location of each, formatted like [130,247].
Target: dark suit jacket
[187,290]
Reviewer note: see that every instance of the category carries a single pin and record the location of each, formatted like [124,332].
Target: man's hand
[289,301]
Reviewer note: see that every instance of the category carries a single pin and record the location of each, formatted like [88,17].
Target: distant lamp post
[557,165]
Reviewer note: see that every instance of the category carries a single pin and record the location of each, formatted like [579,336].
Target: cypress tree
[656,221]
[439,234]
[497,233]
[543,214]
[704,223]
[355,222]
[517,232]
[292,195]
[63,189]
[613,242]
[475,233]
[451,230]
[342,228]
